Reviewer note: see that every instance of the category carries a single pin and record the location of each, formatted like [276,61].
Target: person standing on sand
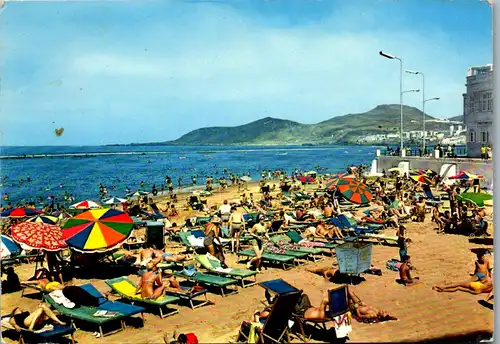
[236,225]
[402,242]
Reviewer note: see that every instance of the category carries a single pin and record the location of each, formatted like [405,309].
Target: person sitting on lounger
[404,272]
[363,312]
[41,279]
[33,321]
[323,231]
[327,272]
[151,285]
[484,285]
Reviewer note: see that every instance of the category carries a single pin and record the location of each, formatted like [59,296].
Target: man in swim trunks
[481,268]
[483,285]
[323,231]
[236,225]
[404,272]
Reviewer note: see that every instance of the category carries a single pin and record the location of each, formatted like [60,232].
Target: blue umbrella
[9,247]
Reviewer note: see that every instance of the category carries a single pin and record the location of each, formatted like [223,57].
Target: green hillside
[349,128]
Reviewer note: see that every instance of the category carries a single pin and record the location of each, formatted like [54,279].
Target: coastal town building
[478,108]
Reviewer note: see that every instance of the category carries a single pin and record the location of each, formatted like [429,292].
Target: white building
[478,108]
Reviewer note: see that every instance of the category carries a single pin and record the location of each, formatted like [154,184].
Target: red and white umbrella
[41,236]
[86,205]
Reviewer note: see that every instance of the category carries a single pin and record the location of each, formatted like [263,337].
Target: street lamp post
[381,53]
[423,107]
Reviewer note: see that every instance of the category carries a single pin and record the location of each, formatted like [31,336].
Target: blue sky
[147,71]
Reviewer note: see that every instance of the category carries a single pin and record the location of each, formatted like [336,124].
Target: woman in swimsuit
[212,240]
[258,233]
[41,279]
[32,321]
[151,285]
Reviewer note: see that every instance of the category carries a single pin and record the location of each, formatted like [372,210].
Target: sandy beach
[423,313]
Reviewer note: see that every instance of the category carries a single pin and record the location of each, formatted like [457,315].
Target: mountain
[459,118]
[347,129]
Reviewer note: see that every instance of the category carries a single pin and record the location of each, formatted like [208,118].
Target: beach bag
[393,265]
[80,297]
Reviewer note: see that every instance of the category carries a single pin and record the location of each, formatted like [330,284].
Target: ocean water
[81,169]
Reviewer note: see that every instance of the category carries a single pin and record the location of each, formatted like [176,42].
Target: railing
[458,152]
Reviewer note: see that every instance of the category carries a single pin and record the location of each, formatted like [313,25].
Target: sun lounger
[309,251]
[297,238]
[36,287]
[191,274]
[351,221]
[119,310]
[346,225]
[282,259]
[126,289]
[276,325]
[51,335]
[379,238]
[213,266]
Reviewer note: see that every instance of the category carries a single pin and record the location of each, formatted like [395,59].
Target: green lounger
[285,238]
[209,280]
[85,313]
[213,266]
[297,238]
[283,259]
[126,289]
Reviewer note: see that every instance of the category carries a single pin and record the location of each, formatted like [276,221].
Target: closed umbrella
[86,205]
[97,230]
[9,247]
[39,236]
[422,178]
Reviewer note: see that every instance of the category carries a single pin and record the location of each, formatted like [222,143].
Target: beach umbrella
[354,191]
[306,179]
[311,173]
[333,182]
[97,230]
[115,200]
[246,178]
[85,205]
[61,215]
[9,247]
[40,236]
[464,175]
[20,212]
[51,220]
[479,199]
[138,193]
[422,178]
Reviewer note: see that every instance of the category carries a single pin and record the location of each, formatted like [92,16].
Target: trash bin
[354,258]
[154,234]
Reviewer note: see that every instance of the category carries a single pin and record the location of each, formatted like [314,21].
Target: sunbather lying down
[484,285]
[303,309]
[155,256]
[327,272]
[323,231]
[32,321]
[363,312]
[41,280]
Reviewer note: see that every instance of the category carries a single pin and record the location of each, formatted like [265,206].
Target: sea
[78,170]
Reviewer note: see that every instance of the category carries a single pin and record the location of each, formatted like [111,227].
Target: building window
[489,101]
[477,101]
[471,137]
[485,101]
[484,136]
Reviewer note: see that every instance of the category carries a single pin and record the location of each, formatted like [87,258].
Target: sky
[150,71]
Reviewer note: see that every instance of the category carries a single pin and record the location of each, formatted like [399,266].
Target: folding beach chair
[276,326]
[57,332]
[348,220]
[119,311]
[191,274]
[213,266]
[126,289]
[338,313]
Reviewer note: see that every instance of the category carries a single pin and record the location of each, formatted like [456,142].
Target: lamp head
[381,53]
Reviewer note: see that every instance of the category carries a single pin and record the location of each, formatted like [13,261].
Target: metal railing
[457,152]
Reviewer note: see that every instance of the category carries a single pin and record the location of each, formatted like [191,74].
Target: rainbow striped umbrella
[97,230]
[20,212]
[51,220]
[353,191]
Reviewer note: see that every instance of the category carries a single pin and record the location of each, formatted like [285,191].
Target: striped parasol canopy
[422,178]
[85,205]
[20,212]
[40,236]
[354,191]
[97,230]
[51,220]
[9,247]
[332,182]
[115,200]
[464,175]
